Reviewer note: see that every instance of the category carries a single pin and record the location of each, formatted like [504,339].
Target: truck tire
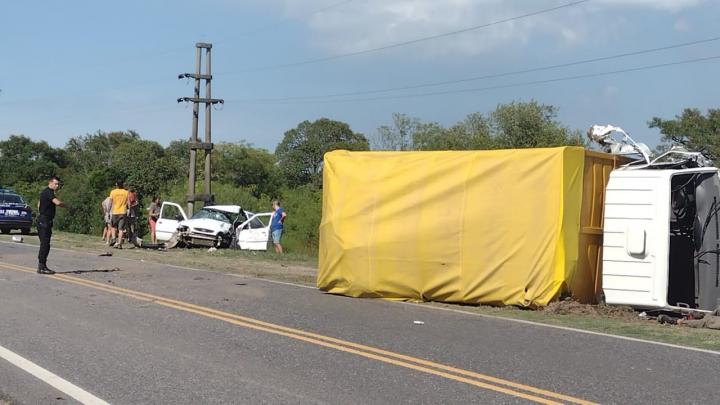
[25,231]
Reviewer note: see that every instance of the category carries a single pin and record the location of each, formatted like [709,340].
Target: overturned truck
[520,227]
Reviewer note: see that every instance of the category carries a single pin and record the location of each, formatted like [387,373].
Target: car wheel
[5,230]
[25,231]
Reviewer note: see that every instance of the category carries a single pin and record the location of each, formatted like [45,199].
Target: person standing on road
[106,207]
[119,197]
[276,225]
[153,215]
[46,214]
[132,215]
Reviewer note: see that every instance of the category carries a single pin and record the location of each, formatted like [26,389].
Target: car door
[170,216]
[254,233]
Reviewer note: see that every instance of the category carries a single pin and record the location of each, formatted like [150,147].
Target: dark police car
[14,212]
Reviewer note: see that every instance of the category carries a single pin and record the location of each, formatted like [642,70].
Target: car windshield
[212,214]
[11,199]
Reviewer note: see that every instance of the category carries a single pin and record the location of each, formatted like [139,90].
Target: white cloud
[682,25]
[364,24]
[669,5]
[611,91]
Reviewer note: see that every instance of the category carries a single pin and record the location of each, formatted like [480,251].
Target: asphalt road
[148,333]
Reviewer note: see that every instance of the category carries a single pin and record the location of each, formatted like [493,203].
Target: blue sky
[75,67]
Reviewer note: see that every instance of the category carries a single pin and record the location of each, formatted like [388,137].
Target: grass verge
[628,325]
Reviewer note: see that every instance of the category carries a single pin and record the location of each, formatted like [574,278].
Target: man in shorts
[106,207]
[119,197]
[276,225]
[153,215]
[132,215]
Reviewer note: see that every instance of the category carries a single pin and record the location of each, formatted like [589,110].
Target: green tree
[300,153]
[144,166]
[400,135]
[304,207]
[24,160]
[242,165]
[95,151]
[514,125]
[178,153]
[473,133]
[83,198]
[692,129]
[529,125]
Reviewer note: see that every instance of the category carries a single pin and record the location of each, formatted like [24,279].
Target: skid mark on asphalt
[483,381]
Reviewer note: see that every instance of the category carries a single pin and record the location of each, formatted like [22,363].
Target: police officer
[46,209]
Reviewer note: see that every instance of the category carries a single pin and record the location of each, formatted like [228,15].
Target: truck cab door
[254,233]
[170,216]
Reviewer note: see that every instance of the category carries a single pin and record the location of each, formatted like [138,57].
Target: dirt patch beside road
[571,307]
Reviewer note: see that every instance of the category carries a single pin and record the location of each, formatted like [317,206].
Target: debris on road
[419,322]
[17,238]
[708,321]
[105,254]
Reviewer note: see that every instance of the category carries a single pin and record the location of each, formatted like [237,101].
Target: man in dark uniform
[46,214]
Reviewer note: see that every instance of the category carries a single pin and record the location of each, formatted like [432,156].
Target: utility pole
[195,145]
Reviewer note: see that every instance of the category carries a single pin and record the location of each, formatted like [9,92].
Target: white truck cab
[661,238]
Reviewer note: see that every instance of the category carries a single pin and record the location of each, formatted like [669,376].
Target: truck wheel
[5,230]
[25,231]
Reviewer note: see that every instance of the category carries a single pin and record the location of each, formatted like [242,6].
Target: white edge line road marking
[422,305]
[60,384]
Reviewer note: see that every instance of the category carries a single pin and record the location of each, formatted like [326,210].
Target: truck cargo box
[502,227]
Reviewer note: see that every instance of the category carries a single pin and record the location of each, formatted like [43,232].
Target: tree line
[242,174]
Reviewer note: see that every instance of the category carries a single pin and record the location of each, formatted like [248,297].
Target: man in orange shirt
[119,197]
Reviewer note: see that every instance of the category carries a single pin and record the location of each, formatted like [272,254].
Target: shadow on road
[89,271]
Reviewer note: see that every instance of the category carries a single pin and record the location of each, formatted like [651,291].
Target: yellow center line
[329,342]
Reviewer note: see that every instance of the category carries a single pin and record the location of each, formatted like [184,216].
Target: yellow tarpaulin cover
[494,227]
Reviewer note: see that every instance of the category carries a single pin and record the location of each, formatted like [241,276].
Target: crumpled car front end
[205,232]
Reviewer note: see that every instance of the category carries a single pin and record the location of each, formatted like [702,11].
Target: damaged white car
[218,226]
